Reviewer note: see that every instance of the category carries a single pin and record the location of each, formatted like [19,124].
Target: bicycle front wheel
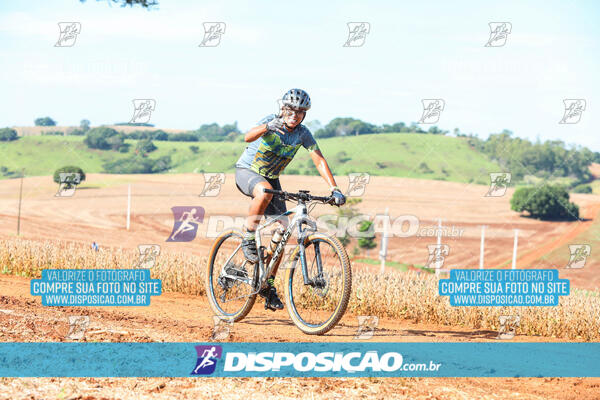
[317,305]
[230,279]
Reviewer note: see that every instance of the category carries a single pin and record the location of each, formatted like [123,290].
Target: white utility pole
[128,204]
[384,240]
[482,247]
[514,260]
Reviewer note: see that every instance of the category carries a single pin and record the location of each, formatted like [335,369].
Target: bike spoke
[231,277]
[315,303]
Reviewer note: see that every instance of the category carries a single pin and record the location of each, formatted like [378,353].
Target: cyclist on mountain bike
[273,144]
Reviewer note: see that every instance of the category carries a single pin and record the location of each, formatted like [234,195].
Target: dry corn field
[405,295]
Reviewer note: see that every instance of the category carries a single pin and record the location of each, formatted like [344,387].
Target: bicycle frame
[300,218]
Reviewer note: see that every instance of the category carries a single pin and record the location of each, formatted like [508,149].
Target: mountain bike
[316,294]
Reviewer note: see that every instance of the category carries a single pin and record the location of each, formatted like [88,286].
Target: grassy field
[401,155]
[391,295]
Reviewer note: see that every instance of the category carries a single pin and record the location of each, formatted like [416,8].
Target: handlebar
[302,195]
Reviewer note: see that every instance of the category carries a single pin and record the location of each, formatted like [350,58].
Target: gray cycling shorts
[246,179]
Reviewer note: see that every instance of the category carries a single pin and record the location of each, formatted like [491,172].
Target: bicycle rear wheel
[315,308]
[230,279]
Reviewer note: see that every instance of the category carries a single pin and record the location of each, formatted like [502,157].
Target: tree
[346,213]
[84,125]
[545,202]
[367,242]
[346,126]
[104,138]
[68,169]
[145,146]
[45,121]
[8,134]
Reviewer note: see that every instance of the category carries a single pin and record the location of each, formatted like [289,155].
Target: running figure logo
[207,359]
[212,184]
[437,255]
[148,254]
[579,255]
[68,182]
[499,184]
[142,110]
[186,220]
[499,32]
[573,110]
[508,326]
[77,327]
[357,33]
[68,34]
[212,34]
[366,326]
[432,109]
[221,329]
[358,184]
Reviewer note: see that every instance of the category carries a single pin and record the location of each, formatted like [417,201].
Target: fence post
[514,260]
[128,204]
[482,247]
[383,252]
[439,243]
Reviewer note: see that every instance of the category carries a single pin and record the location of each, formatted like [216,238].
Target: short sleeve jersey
[272,152]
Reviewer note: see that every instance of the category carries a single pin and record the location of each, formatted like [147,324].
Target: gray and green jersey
[272,152]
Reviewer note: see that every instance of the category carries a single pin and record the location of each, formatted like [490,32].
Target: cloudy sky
[414,51]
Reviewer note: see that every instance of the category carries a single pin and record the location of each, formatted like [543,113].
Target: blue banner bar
[299,359]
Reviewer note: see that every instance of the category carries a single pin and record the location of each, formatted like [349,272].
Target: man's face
[292,117]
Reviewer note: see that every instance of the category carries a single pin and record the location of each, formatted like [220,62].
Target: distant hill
[404,155]
[37,130]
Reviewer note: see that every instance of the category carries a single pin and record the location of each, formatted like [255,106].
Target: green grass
[394,264]
[560,257]
[403,155]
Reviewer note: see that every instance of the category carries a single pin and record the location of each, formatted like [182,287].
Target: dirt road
[98,213]
[177,317]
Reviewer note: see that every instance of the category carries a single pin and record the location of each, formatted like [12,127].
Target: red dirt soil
[98,213]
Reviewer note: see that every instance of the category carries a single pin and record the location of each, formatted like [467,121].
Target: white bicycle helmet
[297,99]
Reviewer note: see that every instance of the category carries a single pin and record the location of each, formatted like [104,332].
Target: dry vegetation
[395,295]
